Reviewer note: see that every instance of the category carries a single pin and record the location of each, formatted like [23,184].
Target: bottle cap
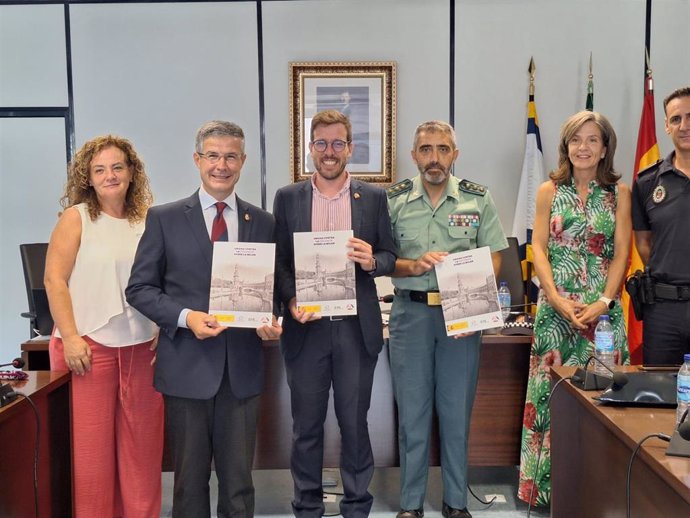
[686,357]
[603,317]
[503,283]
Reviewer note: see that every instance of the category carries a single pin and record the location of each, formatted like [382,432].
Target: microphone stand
[584,379]
[680,440]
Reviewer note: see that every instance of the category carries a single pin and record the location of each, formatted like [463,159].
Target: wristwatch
[610,303]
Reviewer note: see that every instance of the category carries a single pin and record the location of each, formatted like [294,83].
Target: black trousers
[223,430]
[666,332]
[333,355]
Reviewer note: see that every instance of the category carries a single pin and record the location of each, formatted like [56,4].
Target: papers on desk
[242,283]
[324,276]
[469,297]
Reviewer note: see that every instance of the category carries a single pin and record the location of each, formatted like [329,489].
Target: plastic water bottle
[603,345]
[504,299]
[683,389]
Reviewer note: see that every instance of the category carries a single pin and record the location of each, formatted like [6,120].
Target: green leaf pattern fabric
[580,250]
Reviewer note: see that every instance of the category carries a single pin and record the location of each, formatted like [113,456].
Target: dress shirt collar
[208,201]
[345,188]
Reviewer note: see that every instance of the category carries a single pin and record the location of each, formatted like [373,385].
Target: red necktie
[219,231]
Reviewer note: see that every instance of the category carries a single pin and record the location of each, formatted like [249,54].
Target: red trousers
[117,433]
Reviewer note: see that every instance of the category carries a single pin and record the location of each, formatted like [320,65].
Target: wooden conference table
[496,419]
[50,393]
[591,445]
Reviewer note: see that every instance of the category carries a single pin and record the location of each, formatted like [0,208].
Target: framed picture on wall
[362,90]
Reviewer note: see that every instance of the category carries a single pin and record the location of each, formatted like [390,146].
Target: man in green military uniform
[434,214]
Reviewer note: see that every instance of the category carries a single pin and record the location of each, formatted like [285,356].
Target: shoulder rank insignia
[472,188]
[650,168]
[399,188]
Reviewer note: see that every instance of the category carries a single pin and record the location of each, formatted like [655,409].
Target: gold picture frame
[366,92]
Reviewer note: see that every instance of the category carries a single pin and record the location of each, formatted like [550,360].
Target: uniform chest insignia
[463,220]
[659,194]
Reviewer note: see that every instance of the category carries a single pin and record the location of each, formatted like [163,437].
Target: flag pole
[589,103]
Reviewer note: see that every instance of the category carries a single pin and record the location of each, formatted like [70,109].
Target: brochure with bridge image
[242,283]
[324,276]
[469,297]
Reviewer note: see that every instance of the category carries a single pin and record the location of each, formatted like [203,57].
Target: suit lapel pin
[356,196]
[247,217]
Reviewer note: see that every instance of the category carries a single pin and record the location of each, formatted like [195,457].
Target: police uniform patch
[659,194]
[399,188]
[472,188]
[463,220]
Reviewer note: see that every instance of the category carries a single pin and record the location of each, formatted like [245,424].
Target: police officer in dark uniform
[661,221]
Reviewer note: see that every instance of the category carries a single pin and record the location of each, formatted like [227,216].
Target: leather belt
[430,298]
[671,292]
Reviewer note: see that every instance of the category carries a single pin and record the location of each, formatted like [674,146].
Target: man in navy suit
[210,376]
[341,353]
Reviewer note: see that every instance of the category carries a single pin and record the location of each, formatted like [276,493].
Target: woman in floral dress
[581,240]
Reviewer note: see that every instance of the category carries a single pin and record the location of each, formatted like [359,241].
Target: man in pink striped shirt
[337,352]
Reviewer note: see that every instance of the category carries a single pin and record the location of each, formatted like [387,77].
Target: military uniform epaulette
[650,168]
[399,188]
[472,188]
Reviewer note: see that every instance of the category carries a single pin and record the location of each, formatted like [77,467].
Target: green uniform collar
[418,190]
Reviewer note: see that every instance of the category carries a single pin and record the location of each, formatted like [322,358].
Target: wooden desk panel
[50,393]
[591,446]
[496,418]
[495,430]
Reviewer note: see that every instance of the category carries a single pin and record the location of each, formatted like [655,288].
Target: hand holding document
[242,284]
[469,297]
[324,276]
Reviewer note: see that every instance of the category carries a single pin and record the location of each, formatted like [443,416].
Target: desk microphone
[17,363]
[387,298]
[680,440]
[584,379]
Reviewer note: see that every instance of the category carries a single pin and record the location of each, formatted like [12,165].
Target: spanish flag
[646,154]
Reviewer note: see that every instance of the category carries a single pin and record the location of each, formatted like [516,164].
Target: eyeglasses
[337,145]
[214,158]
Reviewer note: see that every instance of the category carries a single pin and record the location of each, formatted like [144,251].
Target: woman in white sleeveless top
[117,416]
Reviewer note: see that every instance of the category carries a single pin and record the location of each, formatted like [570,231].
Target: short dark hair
[435,126]
[328,117]
[680,92]
[218,129]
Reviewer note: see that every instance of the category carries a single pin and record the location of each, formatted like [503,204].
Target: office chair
[511,272]
[34,265]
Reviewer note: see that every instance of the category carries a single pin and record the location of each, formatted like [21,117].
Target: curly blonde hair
[78,189]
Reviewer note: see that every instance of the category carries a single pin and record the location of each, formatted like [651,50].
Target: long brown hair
[606,175]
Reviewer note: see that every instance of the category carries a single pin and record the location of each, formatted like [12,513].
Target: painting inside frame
[365,92]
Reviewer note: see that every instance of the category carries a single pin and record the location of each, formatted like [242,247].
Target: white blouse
[99,278]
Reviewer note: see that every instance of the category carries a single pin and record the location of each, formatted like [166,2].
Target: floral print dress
[580,249]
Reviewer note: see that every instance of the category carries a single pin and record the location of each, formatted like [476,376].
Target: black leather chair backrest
[34,265]
[511,271]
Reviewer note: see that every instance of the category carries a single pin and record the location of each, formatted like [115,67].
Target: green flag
[590,95]
[589,105]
